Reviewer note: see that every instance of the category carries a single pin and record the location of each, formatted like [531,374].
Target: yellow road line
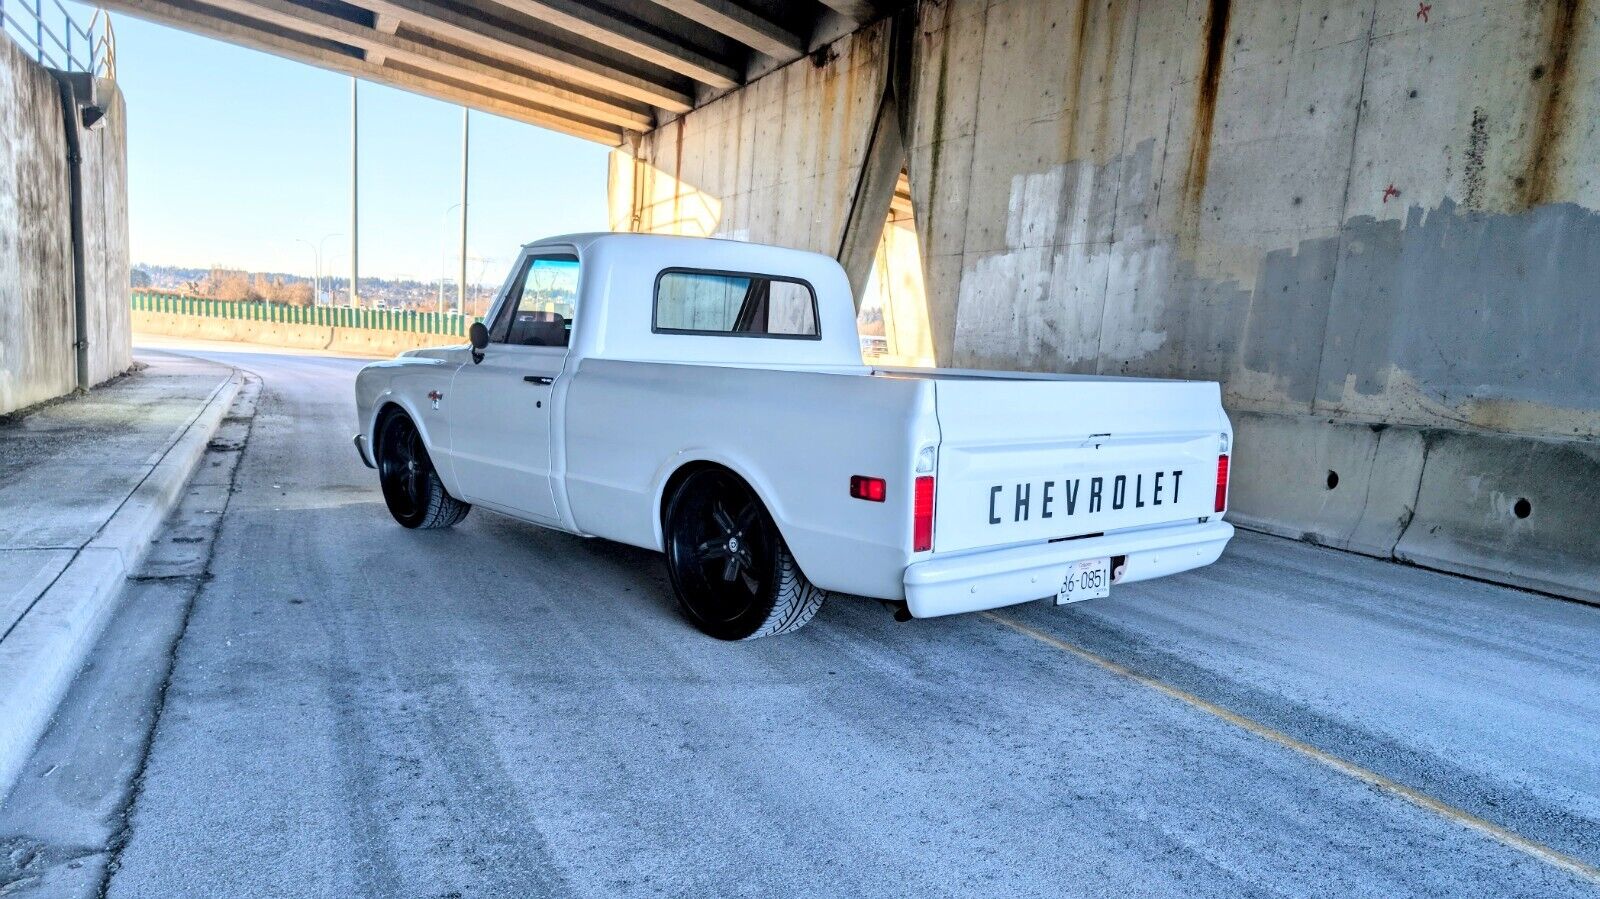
[1417,798]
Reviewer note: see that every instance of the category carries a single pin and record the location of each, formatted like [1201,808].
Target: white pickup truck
[707,398]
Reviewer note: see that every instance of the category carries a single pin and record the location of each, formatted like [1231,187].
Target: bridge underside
[1373,225]
[595,69]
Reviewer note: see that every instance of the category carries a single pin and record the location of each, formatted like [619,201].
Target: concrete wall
[1375,225]
[106,263]
[775,162]
[37,360]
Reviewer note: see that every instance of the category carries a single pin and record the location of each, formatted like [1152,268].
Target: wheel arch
[385,409]
[390,404]
[672,480]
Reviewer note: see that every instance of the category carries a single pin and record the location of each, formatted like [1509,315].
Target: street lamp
[483,264]
[333,261]
[316,276]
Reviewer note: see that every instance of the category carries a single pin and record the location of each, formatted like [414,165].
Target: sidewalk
[84,485]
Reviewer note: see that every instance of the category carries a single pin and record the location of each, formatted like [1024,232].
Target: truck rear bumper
[1003,577]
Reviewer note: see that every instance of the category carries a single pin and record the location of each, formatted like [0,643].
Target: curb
[42,654]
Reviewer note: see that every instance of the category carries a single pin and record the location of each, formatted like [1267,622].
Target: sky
[235,156]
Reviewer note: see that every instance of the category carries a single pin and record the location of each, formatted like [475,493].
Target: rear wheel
[733,575]
[411,487]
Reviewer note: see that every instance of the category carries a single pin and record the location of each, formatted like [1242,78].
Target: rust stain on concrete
[940,98]
[1074,92]
[640,170]
[677,176]
[1562,20]
[1205,110]
[1108,72]
[843,130]
[729,179]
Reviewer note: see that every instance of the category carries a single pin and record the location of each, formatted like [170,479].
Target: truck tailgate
[1026,459]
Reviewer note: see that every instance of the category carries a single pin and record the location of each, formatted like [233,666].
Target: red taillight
[873,490]
[1222,484]
[922,516]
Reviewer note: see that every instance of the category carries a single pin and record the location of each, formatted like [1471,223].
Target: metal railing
[68,46]
[317,316]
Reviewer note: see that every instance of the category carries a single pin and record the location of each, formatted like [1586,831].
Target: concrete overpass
[1374,224]
[596,70]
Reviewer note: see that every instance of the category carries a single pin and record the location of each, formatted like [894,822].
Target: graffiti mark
[1423,9]
[1477,143]
[1390,191]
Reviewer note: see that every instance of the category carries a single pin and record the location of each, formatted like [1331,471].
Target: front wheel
[733,575]
[411,487]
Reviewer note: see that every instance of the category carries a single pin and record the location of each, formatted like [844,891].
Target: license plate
[1089,579]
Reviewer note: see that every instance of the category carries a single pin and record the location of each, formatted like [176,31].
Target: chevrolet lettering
[1099,493]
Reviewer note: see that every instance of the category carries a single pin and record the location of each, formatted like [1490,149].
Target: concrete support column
[885,158]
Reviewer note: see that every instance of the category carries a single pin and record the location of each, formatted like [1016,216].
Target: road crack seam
[250,394]
[1462,817]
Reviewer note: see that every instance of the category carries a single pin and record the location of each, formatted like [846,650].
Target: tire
[734,577]
[411,486]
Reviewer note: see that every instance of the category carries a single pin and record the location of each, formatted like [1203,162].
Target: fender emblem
[436,396]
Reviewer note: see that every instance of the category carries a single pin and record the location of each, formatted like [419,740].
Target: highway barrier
[339,329]
[444,323]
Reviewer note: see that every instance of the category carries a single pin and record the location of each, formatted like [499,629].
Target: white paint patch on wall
[1042,301]
[1135,303]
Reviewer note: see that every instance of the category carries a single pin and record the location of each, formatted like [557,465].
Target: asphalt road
[353,709]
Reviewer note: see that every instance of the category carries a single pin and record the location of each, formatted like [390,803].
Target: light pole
[444,237]
[461,286]
[316,276]
[483,264]
[316,268]
[355,230]
[333,260]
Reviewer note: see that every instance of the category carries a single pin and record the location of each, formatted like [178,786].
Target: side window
[697,302]
[542,304]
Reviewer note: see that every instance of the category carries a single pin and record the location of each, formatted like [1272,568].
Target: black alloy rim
[721,549]
[404,468]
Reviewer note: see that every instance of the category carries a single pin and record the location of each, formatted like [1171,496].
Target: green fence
[320,316]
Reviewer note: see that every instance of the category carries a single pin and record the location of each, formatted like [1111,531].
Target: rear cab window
[734,304]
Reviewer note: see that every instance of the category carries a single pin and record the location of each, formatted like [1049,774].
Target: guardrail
[73,48]
[410,320]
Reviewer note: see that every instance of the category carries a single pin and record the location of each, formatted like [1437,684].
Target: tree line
[231,286]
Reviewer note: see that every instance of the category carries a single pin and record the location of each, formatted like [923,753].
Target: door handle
[538,379]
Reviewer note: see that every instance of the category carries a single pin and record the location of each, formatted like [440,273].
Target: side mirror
[479,335]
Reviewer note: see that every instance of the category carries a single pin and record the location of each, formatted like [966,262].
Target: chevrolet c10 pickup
[708,399]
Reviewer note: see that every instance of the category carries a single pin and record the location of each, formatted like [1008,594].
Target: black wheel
[732,572]
[411,487]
